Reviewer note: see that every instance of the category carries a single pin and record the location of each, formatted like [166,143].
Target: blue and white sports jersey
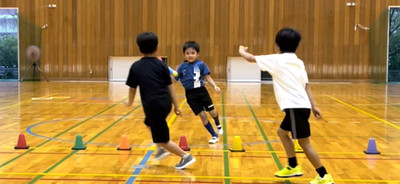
[192,75]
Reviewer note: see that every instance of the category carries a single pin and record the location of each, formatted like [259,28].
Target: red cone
[183,144]
[21,142]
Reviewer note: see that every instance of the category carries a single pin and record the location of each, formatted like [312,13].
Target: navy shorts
[296,121]
[199,100]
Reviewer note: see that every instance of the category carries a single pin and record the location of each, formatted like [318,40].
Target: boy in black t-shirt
[157,93]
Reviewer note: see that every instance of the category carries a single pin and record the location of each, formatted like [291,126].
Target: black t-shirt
[152,76]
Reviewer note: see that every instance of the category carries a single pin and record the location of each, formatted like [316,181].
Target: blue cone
[371,149]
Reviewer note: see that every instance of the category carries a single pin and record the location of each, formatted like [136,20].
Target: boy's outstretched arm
[243,52]
[314,108]
[171,91]
[173,79]
[211,81]
[131,96]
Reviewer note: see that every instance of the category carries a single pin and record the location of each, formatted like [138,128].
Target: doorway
[9,56]
[393,56]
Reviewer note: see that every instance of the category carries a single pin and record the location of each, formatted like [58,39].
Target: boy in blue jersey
[192,73]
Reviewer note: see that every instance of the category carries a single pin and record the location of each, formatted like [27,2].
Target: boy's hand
[316,112]
[243,48]
[247,56]
[178,111]
[217,89]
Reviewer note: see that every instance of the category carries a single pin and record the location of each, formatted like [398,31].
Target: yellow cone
[237,145]
[297,147]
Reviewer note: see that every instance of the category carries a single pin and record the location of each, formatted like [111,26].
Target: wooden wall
[81,34]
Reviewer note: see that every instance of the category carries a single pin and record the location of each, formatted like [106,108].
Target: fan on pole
[33,54]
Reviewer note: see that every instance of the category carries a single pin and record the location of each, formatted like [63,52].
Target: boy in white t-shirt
[295,98]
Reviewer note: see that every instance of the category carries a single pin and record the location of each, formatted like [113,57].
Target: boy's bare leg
[310,152]
[292,169]
[203,117]
[172,147]
[287,142]
[213,113]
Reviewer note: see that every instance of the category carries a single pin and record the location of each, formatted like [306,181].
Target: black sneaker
[185,162]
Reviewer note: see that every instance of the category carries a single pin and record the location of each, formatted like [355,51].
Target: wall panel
[82,34]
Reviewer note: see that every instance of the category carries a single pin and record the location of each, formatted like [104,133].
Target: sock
[292,162]
[216,121]
[321,171]
[211,129]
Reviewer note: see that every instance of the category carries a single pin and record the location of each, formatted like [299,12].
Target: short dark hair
[287,40]
[191,44]
[147,42]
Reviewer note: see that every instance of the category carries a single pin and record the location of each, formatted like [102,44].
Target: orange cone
[21,142]
[124,145]
[183,144]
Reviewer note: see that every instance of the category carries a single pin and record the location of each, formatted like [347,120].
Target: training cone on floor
[371,149]
[297,147]
[21,144]
[237,145]
[124,145]
[79,143]
[183,144]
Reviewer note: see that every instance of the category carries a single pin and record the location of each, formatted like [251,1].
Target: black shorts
[155,120]
[296,121]
[199,100]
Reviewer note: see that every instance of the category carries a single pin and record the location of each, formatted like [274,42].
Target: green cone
[79,143]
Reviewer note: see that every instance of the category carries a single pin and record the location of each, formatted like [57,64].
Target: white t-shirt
[289,79]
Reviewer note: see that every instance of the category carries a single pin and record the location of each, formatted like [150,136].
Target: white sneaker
[213,140]
[220,131]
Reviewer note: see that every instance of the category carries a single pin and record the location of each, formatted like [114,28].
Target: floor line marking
[366,113]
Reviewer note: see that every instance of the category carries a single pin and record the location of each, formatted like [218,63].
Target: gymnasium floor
[52,115]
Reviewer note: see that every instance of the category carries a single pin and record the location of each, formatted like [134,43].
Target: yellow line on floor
[20,103]
[194,177]
[366,113]
[196,150]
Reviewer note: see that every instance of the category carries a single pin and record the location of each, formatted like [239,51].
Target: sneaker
[161,154]
[185,162]
[213,140]
[288,172]
[327,179]
[220,131]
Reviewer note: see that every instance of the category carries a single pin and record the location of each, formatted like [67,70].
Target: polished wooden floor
[51,115]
